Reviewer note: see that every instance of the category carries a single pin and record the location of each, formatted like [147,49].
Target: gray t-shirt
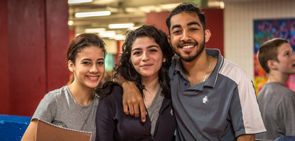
[58,107]
[277,106]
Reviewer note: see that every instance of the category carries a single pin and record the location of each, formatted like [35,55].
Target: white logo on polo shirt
[171,112]
[205,100]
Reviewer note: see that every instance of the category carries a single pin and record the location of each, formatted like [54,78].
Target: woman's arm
[30,133]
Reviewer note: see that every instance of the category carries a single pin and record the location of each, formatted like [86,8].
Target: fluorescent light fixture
[169,6]
[94,30]
[131,9]
[93,14]
[133,28]
[78,1]
[123,25]
[107,34]
[119,37]
[218,4]
[70,22]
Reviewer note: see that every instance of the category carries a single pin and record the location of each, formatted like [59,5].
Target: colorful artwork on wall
[265,30]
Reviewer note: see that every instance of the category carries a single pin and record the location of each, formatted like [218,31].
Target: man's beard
[191,58]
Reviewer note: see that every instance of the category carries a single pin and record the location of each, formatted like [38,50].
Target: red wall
[158,19]
[4,77]
[26,39]
[34,37]
[57,35]
[214,22]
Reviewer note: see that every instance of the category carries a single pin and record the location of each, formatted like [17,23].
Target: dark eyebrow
[135,49]
[189,24]
[147,47]
[86,59]
[175,26]
[193,23]
[152,46]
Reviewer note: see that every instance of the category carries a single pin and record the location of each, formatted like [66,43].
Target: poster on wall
[267,29]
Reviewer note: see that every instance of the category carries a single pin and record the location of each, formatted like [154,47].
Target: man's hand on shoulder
[132,101]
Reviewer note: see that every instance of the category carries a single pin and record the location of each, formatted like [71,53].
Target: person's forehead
[284,47]
[185,17]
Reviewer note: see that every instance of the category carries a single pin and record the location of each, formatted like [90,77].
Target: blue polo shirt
[221,108]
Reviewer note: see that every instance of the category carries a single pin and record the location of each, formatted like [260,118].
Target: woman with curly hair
[145,60]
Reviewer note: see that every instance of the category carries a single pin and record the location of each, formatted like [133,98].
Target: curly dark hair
[125,67]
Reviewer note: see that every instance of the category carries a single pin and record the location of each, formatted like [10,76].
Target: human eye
[287,54]
[136,53]
[177,31]
[100,62]
[153,50]
[86,63]
[193,29]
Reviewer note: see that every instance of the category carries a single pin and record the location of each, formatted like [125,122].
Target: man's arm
[247,137]
[132,98]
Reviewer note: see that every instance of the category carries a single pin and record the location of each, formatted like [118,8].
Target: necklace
[85,120]
[208,69]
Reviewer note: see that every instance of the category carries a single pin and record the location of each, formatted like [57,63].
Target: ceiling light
[169,6]
[107,34]
[78,1]
[70,22]
[94,30]
[93,14]
[133,28]
[119,37]
[124,25]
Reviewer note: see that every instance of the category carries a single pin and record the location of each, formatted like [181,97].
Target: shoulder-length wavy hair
[125,67]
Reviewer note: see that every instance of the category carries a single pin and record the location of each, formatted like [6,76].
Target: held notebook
[50,132]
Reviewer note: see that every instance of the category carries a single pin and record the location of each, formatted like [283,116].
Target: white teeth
[93,77]
[186,47]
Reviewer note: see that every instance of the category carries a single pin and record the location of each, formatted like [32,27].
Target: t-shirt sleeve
[105,124]
[285,116]
[46,109]
[244,111]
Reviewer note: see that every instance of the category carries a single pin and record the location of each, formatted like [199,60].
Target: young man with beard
[213,98]
[276,101]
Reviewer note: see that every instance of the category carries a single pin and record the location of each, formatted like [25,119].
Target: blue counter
[12,128]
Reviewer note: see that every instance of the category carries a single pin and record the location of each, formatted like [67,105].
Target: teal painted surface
[12,128]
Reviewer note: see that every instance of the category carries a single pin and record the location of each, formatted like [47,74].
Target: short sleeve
[244,110]
[285,116]
[46,109]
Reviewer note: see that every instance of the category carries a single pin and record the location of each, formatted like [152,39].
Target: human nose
[94,69]
[185,36]
[145,56]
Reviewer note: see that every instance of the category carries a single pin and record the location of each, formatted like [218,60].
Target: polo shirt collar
[211,81]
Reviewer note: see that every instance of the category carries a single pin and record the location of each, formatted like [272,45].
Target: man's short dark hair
[188,8]
[269,51]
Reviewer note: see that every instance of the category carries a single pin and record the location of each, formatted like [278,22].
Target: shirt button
[185,83]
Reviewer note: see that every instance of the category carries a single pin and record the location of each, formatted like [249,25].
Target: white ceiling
[124,11]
